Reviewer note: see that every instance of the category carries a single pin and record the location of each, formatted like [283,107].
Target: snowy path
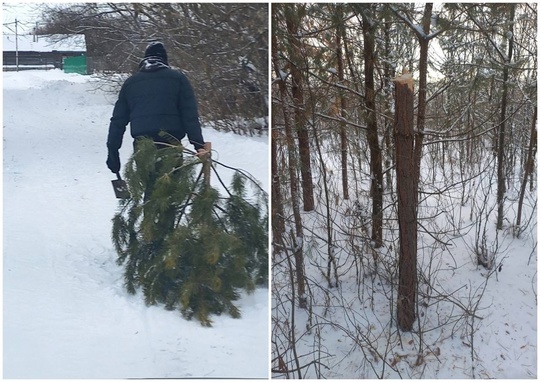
[65,311]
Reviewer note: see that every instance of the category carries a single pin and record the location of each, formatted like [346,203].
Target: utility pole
[34,38]
[16,46]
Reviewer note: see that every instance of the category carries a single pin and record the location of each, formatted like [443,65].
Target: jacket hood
[152,63]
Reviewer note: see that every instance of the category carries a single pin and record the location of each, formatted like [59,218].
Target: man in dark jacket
[155,99]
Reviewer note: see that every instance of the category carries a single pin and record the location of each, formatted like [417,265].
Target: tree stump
[406,191]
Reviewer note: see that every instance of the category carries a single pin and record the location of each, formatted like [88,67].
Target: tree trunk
[501,181]
[298,250]
[422,91]
[407,198]
[278,221]
[294,47]
[529,164]
[389,73]
[342,132]
[368,29]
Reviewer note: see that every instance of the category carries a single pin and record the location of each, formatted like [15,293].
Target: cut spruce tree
[183,243]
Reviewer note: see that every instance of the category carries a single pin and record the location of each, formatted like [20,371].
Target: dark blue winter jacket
[157,98]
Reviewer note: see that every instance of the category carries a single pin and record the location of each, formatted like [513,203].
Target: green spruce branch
[181,242]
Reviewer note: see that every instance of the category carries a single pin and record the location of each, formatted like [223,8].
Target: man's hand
[204,152]
[113,161]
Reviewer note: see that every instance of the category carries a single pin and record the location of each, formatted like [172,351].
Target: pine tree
[181,242]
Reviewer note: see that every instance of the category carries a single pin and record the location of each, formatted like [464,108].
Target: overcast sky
[26,13]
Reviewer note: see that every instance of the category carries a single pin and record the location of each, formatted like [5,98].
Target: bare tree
[376,174]
[529,167]
[296,237]
[501,181]
[222,48]
[293,21]
[340,34]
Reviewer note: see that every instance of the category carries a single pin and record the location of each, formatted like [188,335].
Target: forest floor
[472,322]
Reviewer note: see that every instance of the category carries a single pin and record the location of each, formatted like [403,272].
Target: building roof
[31,43]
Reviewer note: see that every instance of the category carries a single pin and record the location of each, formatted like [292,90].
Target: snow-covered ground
[472,323]
[66,313]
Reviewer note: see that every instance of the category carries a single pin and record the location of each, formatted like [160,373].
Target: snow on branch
[417,29]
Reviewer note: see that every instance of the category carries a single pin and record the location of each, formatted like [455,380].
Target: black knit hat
[156,49]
